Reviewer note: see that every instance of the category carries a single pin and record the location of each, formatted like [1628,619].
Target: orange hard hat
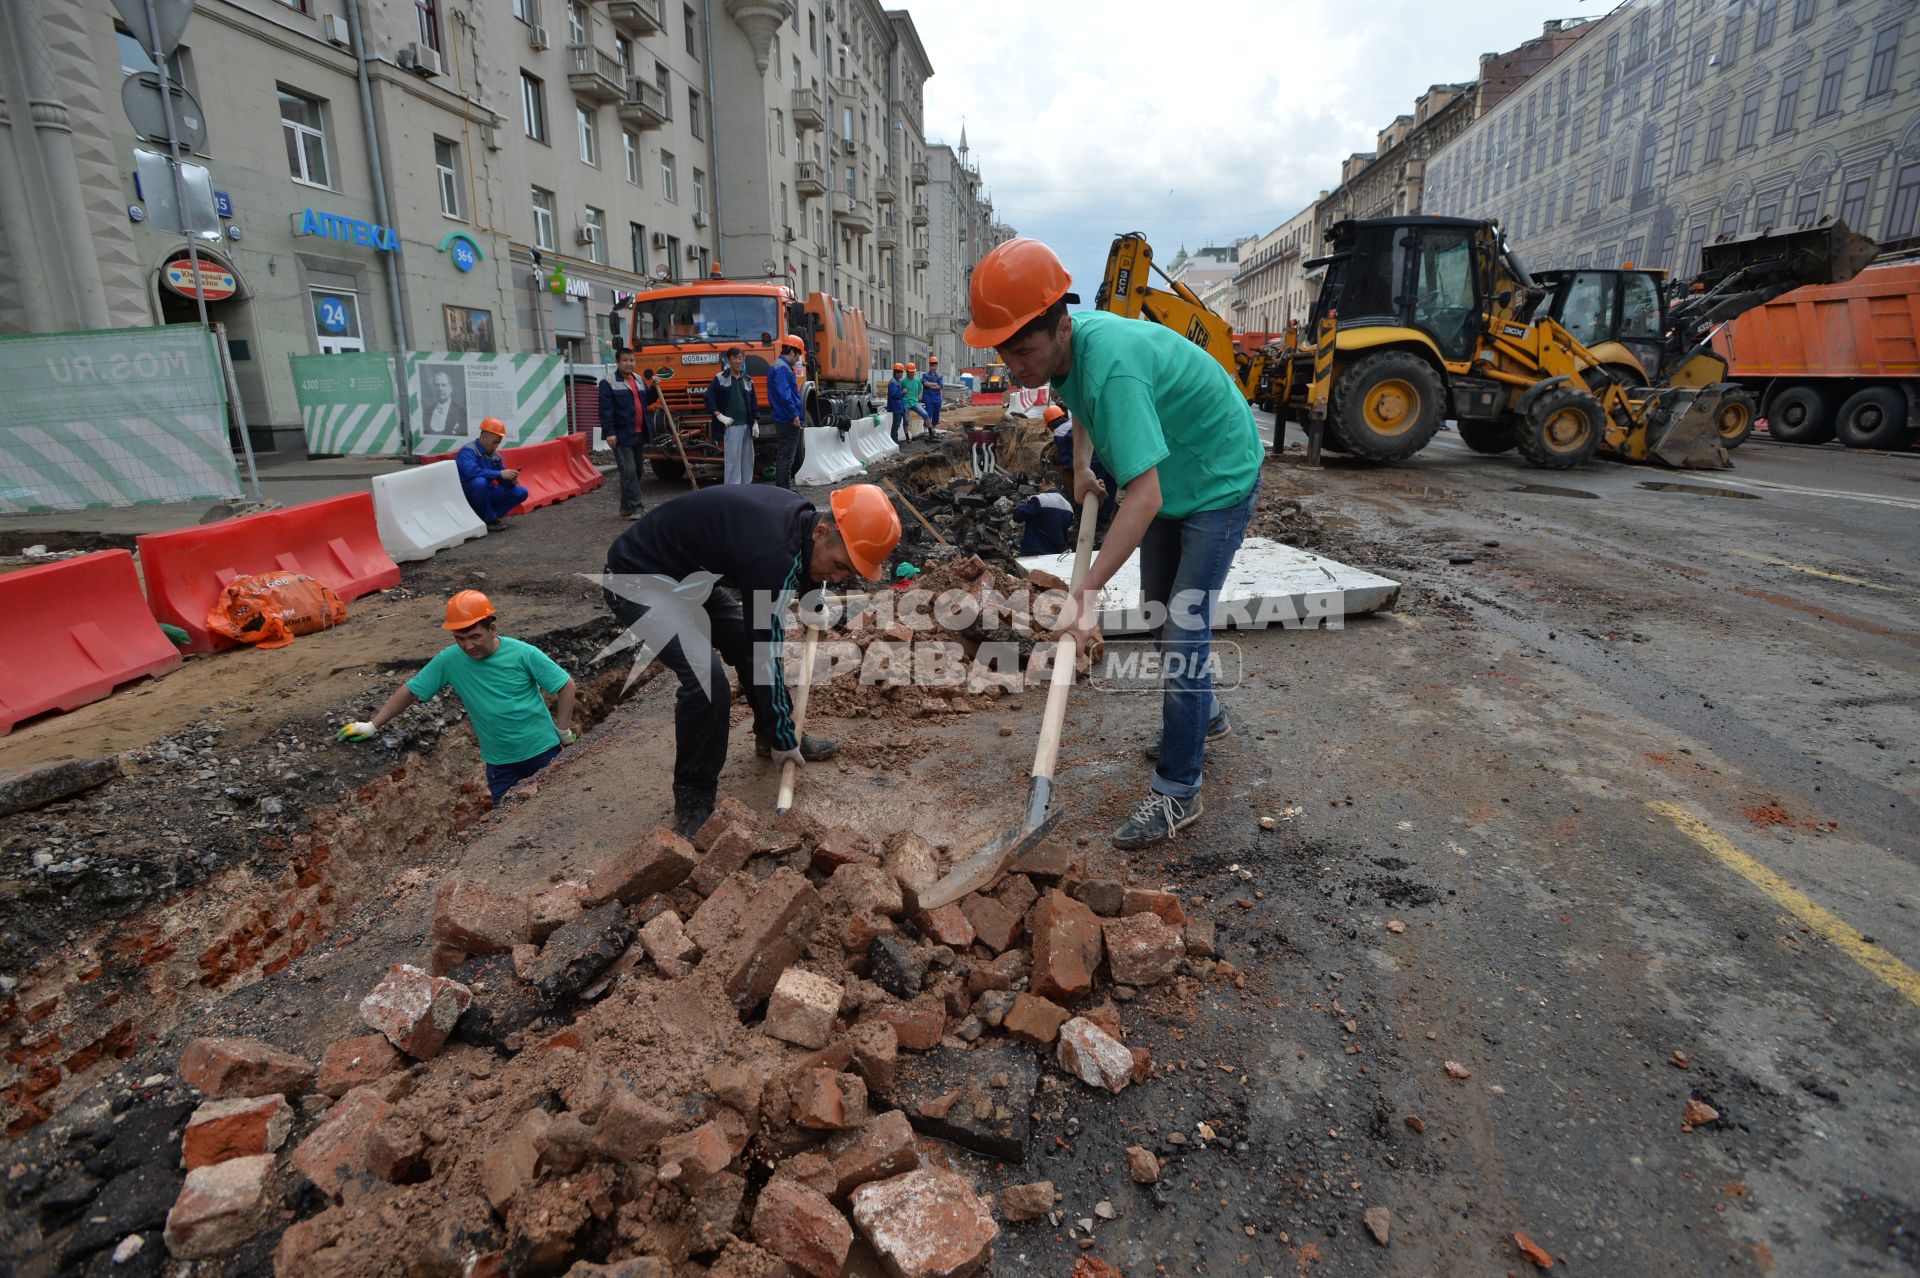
[913,368]
[466,608]
[793,340]
[899,368]
[1014,283]
[1053,414]
[494,426]
[933,359]
[869,525]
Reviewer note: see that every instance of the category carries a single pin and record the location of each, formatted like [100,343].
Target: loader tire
[1489,437]
[1874,418]
[1562,429]
[1734,420]
[1388,406]
[1801,414]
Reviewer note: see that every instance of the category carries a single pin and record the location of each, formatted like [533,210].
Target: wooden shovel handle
[788,770]
[1067,653]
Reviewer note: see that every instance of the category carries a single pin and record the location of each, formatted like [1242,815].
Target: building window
[1566,207]
[533,106]
[785,221]
[1683,150]
[694,120]
[303,123]
[796,71]
[1657,96]
[1579,125]
[577,22]
[446,166]
[1697,65]
[637,240]
[1886,48]
[691,22]
[1853,201]
[1832,79]
[1619,178]
[673,256]
[1613,57]
[1716,135]
[596,227]
[1649,152]
[623,53]
[1606,117]
[1597,189]
[1803,11]
[542,219]
[429,11]
[847,176]
[1729,225]
[630,149]
[1581,80]
[1807,211]
[1789,107]
[699,193]
[1749,122]
[589,128]
[1696,236]
[664,79]
[780,130]
[1903,208]
[1767,214]
[526,10]
[1730,41]
[1763,25]
[669,179]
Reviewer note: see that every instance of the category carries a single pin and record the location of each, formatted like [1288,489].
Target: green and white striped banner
[113,417]
[451,392]
[348,405]
[347,402]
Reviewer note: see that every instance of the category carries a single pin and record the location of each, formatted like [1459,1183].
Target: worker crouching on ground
[485,477]
[733,404]
[1046,517]
[1177,436]
[741,554]
[500,680]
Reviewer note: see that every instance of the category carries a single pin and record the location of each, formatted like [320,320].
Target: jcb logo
[1513,330]
[1197,332]
[1123,282]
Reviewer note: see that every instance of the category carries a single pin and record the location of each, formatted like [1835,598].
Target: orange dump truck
[1835,360]
[683,330]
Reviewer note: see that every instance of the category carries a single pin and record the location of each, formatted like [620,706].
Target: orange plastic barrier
[71,632]
[334,541]
[582,463]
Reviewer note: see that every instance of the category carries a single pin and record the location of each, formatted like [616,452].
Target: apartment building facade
[1270,287]
[960,230]
[1674,122]
[538,162]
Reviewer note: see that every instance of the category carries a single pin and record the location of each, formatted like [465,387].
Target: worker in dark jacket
[1047,516]
[932,387]
[897,402]
[785,406]
[485,477]
[623,412]
[705,582]
[732,403]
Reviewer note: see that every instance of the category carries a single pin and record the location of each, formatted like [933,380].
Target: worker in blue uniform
[490,484]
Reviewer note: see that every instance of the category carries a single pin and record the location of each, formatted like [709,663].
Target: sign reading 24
[331,313]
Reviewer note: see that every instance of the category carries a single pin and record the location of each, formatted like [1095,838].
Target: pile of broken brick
[593,1078]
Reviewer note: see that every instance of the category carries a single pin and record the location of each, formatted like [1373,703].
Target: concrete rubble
[591,1076]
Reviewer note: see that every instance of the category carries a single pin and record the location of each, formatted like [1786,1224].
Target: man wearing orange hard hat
[1177,435]
[742,554]
[503,683]
[785,407]
[489,483]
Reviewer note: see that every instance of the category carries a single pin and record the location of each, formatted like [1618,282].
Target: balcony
[645,106]
[921,261]
[885,190]
[809,110]
[846,86]
[919,212]
[854,214]
[918,172]
[886,236]
[594,75]
[810,180]
[636,19]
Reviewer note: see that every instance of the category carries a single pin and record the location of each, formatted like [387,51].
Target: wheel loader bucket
[1829,254]
[1684,431]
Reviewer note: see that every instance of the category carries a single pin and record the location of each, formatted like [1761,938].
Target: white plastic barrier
[421,510]
[870,440]
[828,461]
[1028,403]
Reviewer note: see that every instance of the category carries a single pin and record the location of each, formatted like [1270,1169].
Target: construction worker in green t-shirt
[501,682]
[1168,423]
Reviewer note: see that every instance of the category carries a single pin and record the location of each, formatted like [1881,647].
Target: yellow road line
[1816,572]
[1843,935]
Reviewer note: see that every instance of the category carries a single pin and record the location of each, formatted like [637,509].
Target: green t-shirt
[501,694]
[1152,398]
[910,388]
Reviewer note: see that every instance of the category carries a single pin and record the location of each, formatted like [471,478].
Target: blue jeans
[502,777]
[1183,564]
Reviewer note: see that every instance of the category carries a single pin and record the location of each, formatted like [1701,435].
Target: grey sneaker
[1158,818]
[1217,727]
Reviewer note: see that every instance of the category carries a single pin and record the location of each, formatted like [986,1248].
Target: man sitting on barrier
[489,483]
[500,681]
[911,386]
[716,570]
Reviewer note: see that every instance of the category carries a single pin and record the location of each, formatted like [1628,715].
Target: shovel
[784,802]
[984,866]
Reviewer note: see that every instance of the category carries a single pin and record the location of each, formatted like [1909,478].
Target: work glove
[363,731]
[568,736]
[723,419]
[792,756]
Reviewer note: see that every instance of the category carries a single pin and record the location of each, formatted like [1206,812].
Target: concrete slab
[1270,583]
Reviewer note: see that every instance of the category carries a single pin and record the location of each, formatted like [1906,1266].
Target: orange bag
[268,609]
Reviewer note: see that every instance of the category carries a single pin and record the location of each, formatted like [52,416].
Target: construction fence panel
[112,417]
[348,403]
[450,393]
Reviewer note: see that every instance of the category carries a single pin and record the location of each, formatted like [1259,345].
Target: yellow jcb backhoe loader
[1126,290]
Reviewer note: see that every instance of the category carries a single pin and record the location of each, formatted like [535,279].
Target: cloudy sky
[1196,123]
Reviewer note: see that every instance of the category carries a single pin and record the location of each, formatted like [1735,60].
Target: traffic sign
[171,16]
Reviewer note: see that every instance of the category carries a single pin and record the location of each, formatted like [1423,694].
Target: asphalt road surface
[1616,811]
